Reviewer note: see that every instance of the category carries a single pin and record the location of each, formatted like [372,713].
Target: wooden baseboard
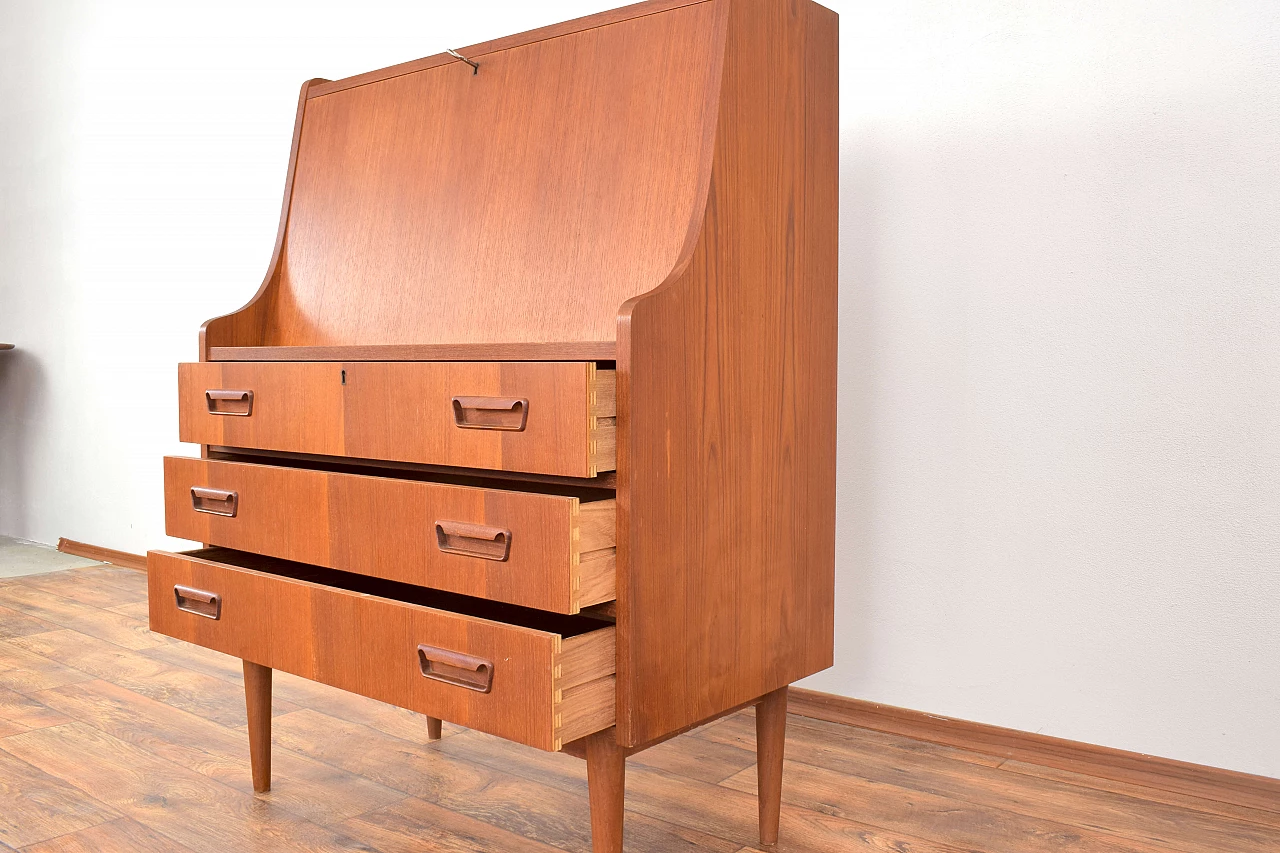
[1166,774]
[106,555]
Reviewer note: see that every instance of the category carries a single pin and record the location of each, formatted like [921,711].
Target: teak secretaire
[531,426]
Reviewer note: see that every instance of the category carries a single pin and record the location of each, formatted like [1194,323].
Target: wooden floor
[115,739]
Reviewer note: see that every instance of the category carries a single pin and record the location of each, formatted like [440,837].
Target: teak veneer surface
[560,551]
[403,411]
[604,351]
[547,688]
[476,51]
[663,177]
[727,400]
[523,203]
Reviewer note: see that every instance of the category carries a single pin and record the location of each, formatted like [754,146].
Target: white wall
[1059,502]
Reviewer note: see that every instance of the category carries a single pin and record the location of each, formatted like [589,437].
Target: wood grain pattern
[106,555]
[1051,803]
[727,395]
[257,700]
[414,825]
[118,836]
[606,779]
[383,527]
[194,692]
[528,351]
[771,734]
[14,623]
[23,671]
[303,787]
[165,796]
[688,176]
[64,612]
[37,807]
[1095,762]
[22,713]
[715,810]
[600,19]
[184,779]
[531,178]
[306,628]
[403,411]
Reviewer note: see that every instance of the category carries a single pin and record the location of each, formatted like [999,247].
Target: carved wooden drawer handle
[473,540]
[229,402]
[455,668]
[215,501]
[199,602]
[505,413]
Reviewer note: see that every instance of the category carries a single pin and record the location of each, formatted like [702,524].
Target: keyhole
[344,377]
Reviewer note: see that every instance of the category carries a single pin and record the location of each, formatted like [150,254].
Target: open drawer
[538,678]
[535,417]
[536,549]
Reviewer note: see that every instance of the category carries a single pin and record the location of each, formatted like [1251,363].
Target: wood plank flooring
[116,739]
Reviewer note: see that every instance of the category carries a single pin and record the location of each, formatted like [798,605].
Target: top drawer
[534,417]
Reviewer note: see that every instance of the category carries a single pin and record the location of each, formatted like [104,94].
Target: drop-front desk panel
[531,424]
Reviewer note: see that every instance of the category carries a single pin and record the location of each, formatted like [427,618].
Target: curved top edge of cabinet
[520,204]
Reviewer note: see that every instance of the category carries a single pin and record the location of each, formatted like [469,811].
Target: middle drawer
[544,551]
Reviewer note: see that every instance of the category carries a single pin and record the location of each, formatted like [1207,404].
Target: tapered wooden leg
[433,728]
[257,699]
[771,734]
[606,782]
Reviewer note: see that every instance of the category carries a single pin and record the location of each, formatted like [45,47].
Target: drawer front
[535,417]
[543,551]
[542,690]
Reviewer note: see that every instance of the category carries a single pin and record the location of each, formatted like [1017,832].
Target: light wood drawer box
[546,551]
[538,678]
[535,417]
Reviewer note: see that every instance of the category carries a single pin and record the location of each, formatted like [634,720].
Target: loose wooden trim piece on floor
[1118,765]
[106,555]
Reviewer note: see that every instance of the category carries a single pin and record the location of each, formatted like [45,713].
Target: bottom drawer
[541,679]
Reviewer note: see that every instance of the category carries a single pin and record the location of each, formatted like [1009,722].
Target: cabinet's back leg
[257,699]
[771,734]
[433,728]
[606,782]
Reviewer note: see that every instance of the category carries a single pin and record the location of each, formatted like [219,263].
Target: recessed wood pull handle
[215,501]
[455,668]
[473,540]
[229,402]
[507,413]
[199,602]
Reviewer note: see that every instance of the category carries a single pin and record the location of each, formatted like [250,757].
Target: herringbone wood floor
[116,739]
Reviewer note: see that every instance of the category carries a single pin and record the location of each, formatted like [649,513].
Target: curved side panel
[727,401]
[244,327]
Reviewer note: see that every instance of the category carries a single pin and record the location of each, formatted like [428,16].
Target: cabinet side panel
[727,397]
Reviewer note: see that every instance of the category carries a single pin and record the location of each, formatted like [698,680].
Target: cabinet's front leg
[606,782]
[257,699]
[434,728]
[771,734]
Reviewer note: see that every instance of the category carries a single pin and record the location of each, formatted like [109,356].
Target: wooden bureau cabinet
[531,425]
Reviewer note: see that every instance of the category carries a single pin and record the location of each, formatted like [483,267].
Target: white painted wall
[1059,501]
